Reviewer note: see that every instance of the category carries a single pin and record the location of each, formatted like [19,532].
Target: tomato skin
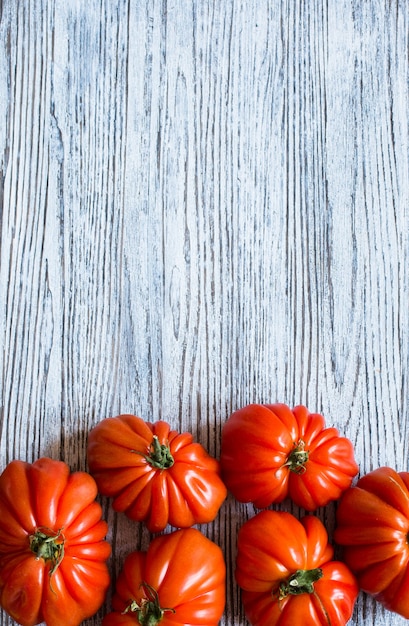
[373,529]
[260,444]
[45,496]
[272,547]
[186,570]
[188,492]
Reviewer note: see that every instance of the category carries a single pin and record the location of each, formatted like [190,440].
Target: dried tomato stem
[48,544]
[148,612]
[298,458]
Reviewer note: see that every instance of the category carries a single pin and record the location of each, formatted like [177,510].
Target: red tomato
[52,552]
[179,580]
[286,572]
[373,527]
[270,452]
[155,474]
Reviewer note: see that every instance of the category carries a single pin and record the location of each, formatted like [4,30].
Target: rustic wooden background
[204,203]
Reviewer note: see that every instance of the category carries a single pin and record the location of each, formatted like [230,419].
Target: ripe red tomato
[270,452]
[155,474]
[288,577]
[373,527]
[52,552]
[179,580]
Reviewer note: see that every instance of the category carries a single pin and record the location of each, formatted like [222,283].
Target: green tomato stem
[302,581]
[159,455]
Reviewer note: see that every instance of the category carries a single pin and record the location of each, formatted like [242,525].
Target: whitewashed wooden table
[204,204]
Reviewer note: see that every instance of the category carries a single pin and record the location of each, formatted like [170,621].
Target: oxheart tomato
[179,580]
[270,452]
[154,474]
[373,528]
[52,552]
[285,569]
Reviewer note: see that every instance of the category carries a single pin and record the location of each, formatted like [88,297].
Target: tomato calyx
[302,581]
[160,456]
[48,544]
[148,612]
[298,458]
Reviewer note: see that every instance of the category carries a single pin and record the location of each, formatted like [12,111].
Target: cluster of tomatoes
[284,565]
[53,551]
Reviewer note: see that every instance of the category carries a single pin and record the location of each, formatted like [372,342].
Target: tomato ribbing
[270,453]
[293,580]
[154,474]
[52,548]
[182,569]
[372,521]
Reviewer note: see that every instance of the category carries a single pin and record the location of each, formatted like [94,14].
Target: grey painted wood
[203,204]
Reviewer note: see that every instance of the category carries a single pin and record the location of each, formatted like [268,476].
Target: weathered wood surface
[204,204]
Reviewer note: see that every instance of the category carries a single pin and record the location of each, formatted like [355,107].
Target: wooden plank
[203,204]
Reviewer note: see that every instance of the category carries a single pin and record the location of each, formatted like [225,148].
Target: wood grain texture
[203,204]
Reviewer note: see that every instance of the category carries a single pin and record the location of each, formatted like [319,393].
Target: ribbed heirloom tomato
[373,527]
[52,552]
[287,575]
[178,581]
[270,452]
[154,474]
